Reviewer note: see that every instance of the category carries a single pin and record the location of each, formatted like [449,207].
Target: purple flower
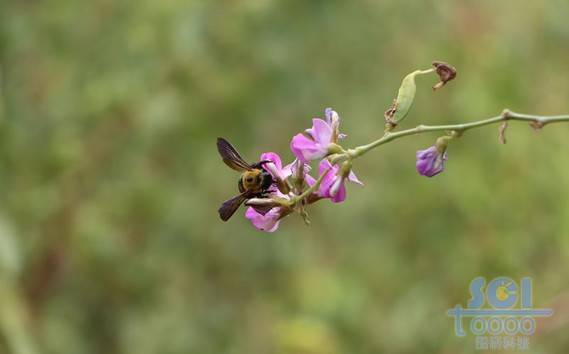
[276,168]
[332,185]
[322,135]
[264,220]
[268,222]
[431,161]
[316,147]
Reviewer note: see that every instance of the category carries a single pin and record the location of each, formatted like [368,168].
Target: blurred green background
[110,182]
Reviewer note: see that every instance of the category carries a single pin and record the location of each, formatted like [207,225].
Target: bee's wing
[231,157]
[228,208]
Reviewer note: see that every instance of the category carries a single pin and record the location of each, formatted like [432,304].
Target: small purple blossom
[262,216]
[316,147]
[322,135]
[333,184]
[264,220]
[268,222]
[431,162]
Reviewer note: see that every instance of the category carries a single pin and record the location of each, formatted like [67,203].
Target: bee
[254,181]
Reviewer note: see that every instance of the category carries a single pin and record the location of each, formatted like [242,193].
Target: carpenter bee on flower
[254,182]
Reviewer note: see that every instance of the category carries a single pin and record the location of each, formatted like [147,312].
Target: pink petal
[289,169]
[274,167]
[306,149]
[251,213]
[268,222]
[341,195]
[272,156]
[353,178]
[324,165]
[325,185]
[328,180]
[338,182]
[321,132]
[293,167]
[309,180]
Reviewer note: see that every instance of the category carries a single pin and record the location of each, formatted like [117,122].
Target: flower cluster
[319,142]
[315,143]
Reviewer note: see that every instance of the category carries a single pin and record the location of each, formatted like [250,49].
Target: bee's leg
[267,192]
[263,194]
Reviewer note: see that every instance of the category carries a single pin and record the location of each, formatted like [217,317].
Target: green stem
[426,71]
[539,121]
[310,190]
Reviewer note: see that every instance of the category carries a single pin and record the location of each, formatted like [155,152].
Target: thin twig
[534,120]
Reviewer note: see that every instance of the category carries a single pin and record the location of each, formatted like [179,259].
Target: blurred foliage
[110,182]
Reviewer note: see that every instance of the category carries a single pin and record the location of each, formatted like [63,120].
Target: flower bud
[431,161]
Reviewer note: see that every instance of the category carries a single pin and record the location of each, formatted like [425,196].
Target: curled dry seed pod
[502,130]
[446,73]
[388,115]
